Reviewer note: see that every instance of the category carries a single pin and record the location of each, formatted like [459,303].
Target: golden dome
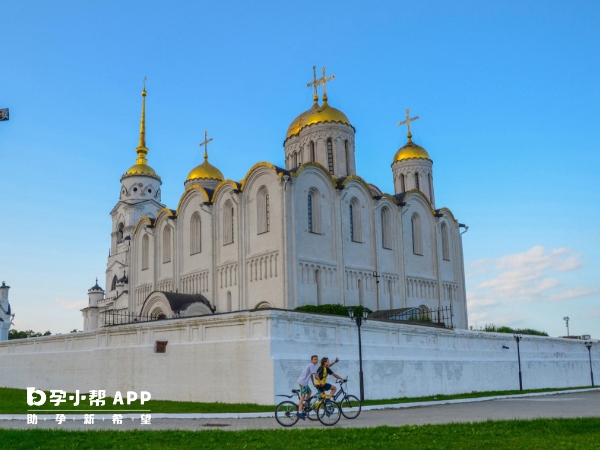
[205,171]
[410,150]
[141,169]
[317,114]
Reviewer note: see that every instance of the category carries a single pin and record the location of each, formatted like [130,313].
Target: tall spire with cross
[316,82]
[407,122]
[141,149]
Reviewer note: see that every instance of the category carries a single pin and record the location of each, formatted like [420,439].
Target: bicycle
[326,411]
[350,404]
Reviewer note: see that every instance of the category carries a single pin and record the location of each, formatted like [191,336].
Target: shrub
[504,329]
[338,310]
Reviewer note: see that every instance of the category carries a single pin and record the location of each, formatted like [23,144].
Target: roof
[179,302]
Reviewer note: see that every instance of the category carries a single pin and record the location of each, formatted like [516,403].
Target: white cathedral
[311,233]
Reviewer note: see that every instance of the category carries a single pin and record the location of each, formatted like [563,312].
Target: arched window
[330,155]
[113,285]
[312,151]
[314,211]
[145,252]
[417,180]
[347,147]
[355,221]
[319,287]
[445,247]
[167,244]
[402,183]
[295,159]
[386,228]
[195,234]
[263,218]
[228,212]
[229,305]
[430,181]
[391,292]
[417,235]
[120,229]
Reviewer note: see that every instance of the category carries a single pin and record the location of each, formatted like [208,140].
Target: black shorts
[325,387]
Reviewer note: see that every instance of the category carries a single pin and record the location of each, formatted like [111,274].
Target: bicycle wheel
[311,412]
[350,406]
[329,413]
[285,414]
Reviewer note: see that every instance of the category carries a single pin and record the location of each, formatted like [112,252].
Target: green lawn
[546,434]
[14,401]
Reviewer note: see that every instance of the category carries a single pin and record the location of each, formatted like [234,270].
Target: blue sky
[507,94]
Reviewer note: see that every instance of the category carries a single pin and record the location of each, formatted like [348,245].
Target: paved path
[583,404]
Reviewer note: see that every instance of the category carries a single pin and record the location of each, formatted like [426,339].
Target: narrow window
[347,147]
[402,183]
[391,292]
[330,155]
[263,220]
[312,151]
[120,232]
[295,157]
[445,247]
[228,224]
[314,211]
[195,234]
[113,285]
[229,305]
[145,251]
[417,180]
[351,222]
[355,221]
[417,235]
[167,245]
[386,235]
[430,181]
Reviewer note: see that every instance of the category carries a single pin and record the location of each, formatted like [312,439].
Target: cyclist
[307,374]
[322,372]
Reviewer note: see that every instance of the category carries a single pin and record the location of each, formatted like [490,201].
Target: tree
[15,334]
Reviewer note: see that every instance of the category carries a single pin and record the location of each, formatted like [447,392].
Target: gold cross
[205,144]
[407,122]
[323,80]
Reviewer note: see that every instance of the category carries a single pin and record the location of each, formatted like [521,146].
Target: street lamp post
[359,321]
[566,319]
[589,347]
[518,338]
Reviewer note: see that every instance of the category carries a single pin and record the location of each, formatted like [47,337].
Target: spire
[141,149]
[314,84]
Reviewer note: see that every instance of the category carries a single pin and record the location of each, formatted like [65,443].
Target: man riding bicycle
[321,377]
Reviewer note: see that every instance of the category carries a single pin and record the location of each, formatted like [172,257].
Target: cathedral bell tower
[322,134]
[139,196]
[412,167]
[6,315]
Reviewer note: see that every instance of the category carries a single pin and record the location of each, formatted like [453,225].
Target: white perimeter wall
[252,356]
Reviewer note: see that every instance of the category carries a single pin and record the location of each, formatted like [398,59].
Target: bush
[338,310]
[14,334]
[504,329]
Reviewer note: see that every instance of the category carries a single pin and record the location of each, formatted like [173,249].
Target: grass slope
[547,434]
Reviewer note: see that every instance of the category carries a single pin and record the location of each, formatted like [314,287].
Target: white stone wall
[252,356]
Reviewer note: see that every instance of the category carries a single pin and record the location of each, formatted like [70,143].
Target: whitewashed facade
[312,232]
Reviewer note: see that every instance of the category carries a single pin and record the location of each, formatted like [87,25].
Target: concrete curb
[109,417]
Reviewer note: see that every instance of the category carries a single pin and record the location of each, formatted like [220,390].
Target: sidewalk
[583,403]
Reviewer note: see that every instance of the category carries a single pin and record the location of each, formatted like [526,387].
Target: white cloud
[71,305]
[528,276]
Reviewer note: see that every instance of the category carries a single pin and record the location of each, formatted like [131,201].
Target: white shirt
[306,373]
